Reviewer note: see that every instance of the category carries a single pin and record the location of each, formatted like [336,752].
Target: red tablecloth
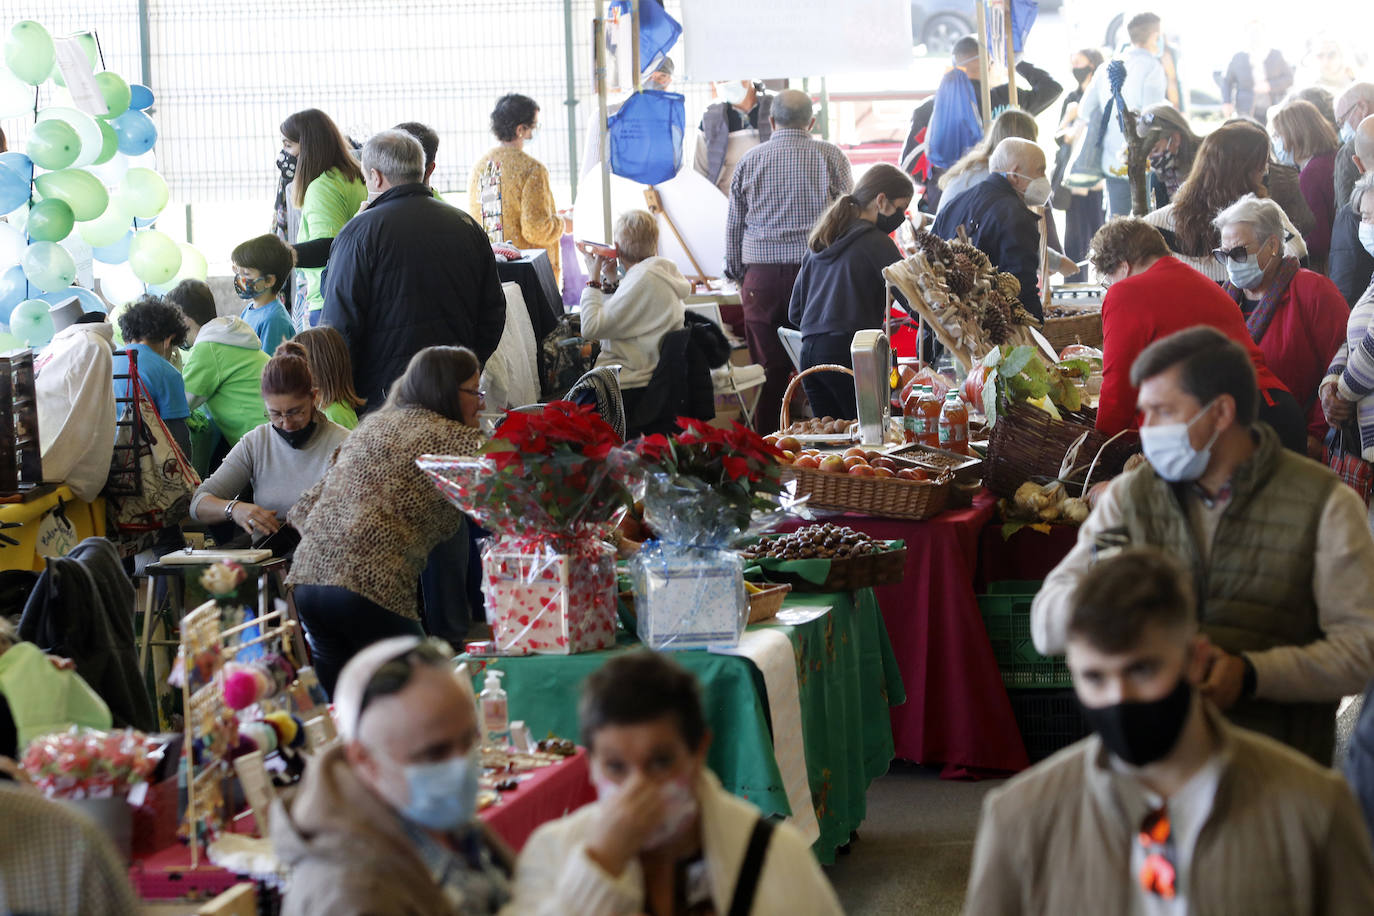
[1027,554]
[957,712]
[543,795]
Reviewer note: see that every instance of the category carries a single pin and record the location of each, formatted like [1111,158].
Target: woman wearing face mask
[529,216]
[1296,316]
[1232,161]
[369,525]
[1304,139]
[275,462]
[840,288]
[664,836]
[1082,206]
[1173,146]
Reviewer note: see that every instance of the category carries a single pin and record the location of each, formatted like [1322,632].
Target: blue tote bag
[646,136]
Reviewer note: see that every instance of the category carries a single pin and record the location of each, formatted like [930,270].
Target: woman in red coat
[1295,315]
[1150,295]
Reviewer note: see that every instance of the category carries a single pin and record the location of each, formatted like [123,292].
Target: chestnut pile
[814,542]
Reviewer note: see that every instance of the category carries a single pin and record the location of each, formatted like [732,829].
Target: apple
[789,444]
[884,472]
[856,452]
[871,456]
[884,463]
[789,456]
[832,464]
[861,470]
[854,461]
[808,461]
[911,474]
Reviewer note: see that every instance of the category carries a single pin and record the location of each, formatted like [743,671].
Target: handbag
[1348,464]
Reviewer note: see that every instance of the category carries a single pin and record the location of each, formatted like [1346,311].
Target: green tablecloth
[847,678]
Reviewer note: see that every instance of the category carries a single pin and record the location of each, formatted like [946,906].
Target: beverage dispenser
[872,361]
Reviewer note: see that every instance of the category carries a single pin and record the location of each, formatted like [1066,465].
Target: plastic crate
[1049,720]
[1006,616]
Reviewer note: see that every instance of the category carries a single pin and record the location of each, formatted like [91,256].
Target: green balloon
[87,131]
[115,91]
[107,228]
[50,221]
[81,190]
[154,257]
[142,192]
[32,321]
[29,52]
[109,143]
[49,266]
[53,144]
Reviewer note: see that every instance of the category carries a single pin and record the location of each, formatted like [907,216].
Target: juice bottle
[910,417]
[954,424]
[929,410]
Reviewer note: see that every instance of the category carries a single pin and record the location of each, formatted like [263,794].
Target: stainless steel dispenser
[872,360]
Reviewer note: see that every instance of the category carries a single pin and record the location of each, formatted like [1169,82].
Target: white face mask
[733,92]
[1366,233]
[1037,192]
[1170,451]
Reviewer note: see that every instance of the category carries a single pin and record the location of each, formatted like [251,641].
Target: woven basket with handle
[1029,444]
[1085,328]
[887,497]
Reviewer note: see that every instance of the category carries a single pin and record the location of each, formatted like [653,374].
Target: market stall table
[846,676]
[957,712]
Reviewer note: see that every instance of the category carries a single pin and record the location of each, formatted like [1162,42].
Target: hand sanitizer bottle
[495,715]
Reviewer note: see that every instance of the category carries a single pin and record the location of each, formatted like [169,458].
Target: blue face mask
[1366,233]
[1281,155]
[1245,274]
[1347,133]
[443,795]
[1170,450]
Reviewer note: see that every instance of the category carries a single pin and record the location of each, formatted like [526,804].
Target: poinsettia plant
[545,470]
[705,484]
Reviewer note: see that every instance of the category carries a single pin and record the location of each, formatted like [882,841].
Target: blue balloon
[135,131]
[116,253]
[140,97]
[18,163]
[14,289]
[90,302]
[14,190]
[141,223]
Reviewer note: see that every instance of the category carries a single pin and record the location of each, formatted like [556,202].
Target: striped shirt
[1353,369]
[779,190]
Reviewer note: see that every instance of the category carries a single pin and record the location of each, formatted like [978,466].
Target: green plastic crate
[1006,615]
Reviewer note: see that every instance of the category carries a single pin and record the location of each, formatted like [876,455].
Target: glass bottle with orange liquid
[953,424]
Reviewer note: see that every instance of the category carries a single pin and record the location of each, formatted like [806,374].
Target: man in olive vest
[1278,547]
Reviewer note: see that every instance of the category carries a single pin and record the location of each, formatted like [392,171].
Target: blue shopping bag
[646,136]
[658,31]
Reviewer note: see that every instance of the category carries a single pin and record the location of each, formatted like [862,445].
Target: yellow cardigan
[529,217]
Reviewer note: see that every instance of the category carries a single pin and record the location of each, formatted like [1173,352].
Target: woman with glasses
[1296,316]
[369,526]
[1233,161]
[271,466]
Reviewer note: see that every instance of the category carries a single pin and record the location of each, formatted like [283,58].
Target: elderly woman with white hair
[632,319]
[1347,392]
[1295,315]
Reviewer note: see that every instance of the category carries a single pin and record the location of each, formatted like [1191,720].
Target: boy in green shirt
[224,372]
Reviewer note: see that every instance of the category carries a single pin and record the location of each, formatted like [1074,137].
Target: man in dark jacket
[1043,90]
[409,272]
[995,215]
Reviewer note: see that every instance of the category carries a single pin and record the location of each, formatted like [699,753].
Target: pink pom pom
[241,689]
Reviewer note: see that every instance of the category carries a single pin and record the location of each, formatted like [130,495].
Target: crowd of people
[1208,656]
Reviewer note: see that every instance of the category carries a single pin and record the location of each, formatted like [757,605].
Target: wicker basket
[1084,327]
[767,603]
[885,497]
[1029,444]
[847,574]
[785,415]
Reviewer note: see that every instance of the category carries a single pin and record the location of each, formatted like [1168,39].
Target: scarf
[1257,321]
[599,385]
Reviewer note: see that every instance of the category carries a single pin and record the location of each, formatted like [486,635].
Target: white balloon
[12,245]
[16,97]
[118,283]
[111,173]
[86,130]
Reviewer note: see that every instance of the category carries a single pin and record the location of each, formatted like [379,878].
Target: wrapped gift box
[689,597]
[550,597]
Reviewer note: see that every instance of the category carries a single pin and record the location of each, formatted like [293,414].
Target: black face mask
[286,164]
[890,222]
[1081,73]
[296,438]
[1142,733]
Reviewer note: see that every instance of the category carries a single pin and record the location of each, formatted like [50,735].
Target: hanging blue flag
[658,31]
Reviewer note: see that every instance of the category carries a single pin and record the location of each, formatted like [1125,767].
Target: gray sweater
[278,473]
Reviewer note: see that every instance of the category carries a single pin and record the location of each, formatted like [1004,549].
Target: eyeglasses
[477,393]
[295,413]
[391,677]
[1240,254]
[1158,874]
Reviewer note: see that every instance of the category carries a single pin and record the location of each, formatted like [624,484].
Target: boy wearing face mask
[386,823]
[1168,808]
[664,837]
[262,266]
[1278,546]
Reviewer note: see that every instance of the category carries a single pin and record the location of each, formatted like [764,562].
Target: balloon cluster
[80,186]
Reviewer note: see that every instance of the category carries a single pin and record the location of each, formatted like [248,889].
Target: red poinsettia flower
[735,467]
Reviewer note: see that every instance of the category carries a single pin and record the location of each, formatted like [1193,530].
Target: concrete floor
[913,852]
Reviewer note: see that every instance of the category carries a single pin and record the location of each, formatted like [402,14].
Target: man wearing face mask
[386,823]
[731,127]
[1278,547]
[996,214]
[664,836]
[1351,261]
[1351,107]
[1168,808]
